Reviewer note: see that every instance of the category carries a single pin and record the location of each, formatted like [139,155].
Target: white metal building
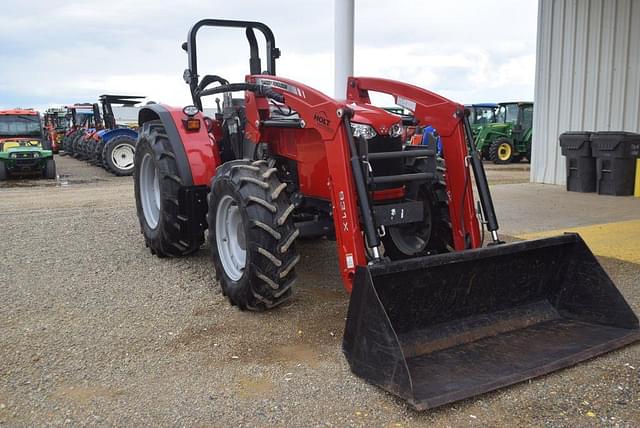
[587,75]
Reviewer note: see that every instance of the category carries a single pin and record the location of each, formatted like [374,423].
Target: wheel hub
[122,156]
[231,238]
[504,151]
[149,191]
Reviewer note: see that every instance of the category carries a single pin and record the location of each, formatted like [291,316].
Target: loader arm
[324,115]
[445,116]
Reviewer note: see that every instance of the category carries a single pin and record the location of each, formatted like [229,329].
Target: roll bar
[255,66]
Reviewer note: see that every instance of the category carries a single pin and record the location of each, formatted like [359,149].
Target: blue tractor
[113,146]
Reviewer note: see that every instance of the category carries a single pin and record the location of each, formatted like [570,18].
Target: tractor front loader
[433,317]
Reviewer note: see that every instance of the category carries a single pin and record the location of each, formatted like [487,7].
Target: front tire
[3,171]
[157,183]
[118,155]
[432,236]
[49,171]
[252,235]
[501,151]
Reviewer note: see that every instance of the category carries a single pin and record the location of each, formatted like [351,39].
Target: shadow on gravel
[60,181]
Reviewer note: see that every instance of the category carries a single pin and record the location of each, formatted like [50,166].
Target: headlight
[190,110]
[36,155]
[396,130]
[365,131]
[13,155]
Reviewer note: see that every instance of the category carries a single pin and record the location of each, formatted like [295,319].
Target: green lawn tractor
[509,138]
[481,115]
[23,149]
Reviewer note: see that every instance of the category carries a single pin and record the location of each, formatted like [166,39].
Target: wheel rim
[231,241]
[504,151]
[122,156]
[149,191]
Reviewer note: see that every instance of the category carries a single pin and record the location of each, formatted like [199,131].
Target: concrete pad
[527,208]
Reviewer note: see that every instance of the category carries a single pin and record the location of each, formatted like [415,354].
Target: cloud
[59,52]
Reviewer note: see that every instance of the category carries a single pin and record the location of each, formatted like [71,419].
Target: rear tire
[75,144]
[98,154]
[66,143]
[49,171]
[501,151]
[118,155]
[156,195]
[90,148]
[252,235]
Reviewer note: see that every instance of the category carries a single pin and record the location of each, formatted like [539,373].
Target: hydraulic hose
[482,184]
[262,90]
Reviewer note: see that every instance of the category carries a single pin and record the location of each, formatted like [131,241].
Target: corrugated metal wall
[587,75]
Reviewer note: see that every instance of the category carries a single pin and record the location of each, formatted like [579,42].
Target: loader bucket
[442,328]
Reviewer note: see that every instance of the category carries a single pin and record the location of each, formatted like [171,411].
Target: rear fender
[196,154]
[109,134]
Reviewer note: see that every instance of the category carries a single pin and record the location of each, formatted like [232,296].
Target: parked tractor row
[94,135]
[502,132]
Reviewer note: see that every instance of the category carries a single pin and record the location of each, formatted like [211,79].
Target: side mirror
[184,46]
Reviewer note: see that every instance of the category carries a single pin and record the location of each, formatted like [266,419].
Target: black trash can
[615,161]
[581,165]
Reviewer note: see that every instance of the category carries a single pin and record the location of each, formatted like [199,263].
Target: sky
[54,52]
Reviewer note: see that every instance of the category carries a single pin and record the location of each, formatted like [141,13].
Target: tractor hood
[378,118]
[9,146]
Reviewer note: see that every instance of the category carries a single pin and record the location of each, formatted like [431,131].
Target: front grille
[383,167]
[22,163]
[24,155]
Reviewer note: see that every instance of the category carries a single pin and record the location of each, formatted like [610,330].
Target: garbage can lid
[574,140]
[615,135]
[621,142]
[585,134]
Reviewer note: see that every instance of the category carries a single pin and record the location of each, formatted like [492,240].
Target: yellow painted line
[619,240]
[637,185]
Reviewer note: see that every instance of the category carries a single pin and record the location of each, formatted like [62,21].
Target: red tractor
[433,317]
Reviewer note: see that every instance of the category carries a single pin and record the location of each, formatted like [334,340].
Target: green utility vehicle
[23,148]
[509,139]
[481,115]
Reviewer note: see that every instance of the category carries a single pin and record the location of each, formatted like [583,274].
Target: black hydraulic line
[209,79]
[361,189]
[482,184]
[285,123]
[235,87]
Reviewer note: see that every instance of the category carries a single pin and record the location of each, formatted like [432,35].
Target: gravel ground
[96,331]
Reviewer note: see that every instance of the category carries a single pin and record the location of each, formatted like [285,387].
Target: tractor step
[402,154]
[402,178]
